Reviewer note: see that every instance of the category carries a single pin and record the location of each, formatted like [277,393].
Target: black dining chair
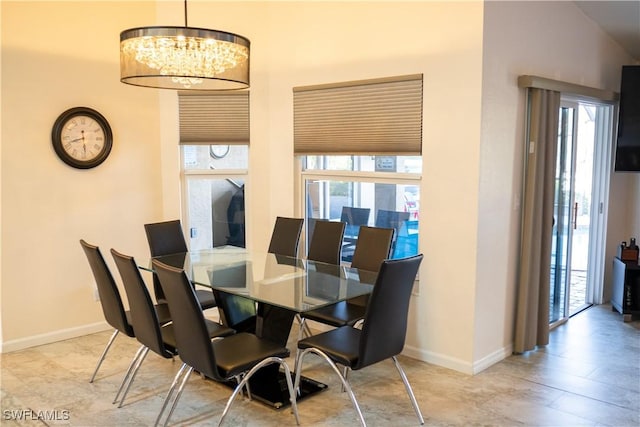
[237,312]
[110,300]
[150,333]
[353,218]
[236,357]
[285,236]
[326,242]
[382,335]
[392,219]
[372,248]
[167,238]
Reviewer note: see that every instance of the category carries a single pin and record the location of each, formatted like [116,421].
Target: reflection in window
[212,157]
[375,199]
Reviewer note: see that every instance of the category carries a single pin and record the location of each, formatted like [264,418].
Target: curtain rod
[568,88]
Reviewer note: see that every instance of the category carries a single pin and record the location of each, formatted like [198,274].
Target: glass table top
[296,284]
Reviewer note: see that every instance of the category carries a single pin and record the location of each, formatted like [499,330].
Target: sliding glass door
[582,165]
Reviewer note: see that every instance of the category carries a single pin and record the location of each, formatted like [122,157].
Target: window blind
[378,116]
[214,118]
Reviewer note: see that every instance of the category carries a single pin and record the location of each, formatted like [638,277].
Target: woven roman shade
[378,116]
[214,118]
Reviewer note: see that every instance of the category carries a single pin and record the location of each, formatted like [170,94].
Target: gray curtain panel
[532,316]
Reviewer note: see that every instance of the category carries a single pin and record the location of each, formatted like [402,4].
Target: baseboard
[458,364]
[492,359]
[64,334]
[439,359]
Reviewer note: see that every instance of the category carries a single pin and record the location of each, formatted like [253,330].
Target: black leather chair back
[143,314]
[385,321]
[236,312]
[355,216]
[326,242]
[391,219]
[373,247]
[165,238]
[192,338]
[285,236]
[110,299]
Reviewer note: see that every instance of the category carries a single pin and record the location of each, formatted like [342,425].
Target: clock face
[82,137]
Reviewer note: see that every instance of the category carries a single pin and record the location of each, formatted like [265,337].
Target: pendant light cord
[185,14]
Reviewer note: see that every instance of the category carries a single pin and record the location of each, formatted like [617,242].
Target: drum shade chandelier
[184,58]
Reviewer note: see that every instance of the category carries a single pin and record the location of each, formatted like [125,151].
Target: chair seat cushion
[339,314]
[205,298]
[340,344]
[240,352]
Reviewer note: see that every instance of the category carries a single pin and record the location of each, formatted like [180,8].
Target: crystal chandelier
[184,58]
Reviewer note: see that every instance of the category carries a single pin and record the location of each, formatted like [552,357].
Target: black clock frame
[57,142]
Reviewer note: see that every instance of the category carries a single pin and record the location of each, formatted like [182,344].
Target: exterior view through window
[380,191]
[213,178]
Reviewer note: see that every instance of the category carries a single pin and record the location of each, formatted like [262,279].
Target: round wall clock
[82,137]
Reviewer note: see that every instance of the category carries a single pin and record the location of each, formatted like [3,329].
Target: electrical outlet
[96,295]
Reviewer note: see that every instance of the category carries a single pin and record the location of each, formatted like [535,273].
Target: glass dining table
[277,288]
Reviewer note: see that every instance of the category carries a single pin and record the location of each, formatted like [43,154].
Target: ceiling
[620,19]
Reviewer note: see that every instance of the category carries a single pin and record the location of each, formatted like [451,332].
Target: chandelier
[184,58]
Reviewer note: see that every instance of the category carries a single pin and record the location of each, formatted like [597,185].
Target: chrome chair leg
[129,370]
[245,379]
[178,394]
[303,328]
[307,329]
[345,383]
[301,324]
[296,361]
[345,374]
[407,386]
[292,392]
[238,379]
[104,354]
[170,392]
[133,375]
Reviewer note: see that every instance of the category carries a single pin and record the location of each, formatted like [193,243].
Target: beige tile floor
[589,375]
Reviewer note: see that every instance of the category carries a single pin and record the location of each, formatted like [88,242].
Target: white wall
[549,39]
[57,55]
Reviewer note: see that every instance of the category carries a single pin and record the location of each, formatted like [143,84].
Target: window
[360,144]
[380,191]
[214,140]
[213,188]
